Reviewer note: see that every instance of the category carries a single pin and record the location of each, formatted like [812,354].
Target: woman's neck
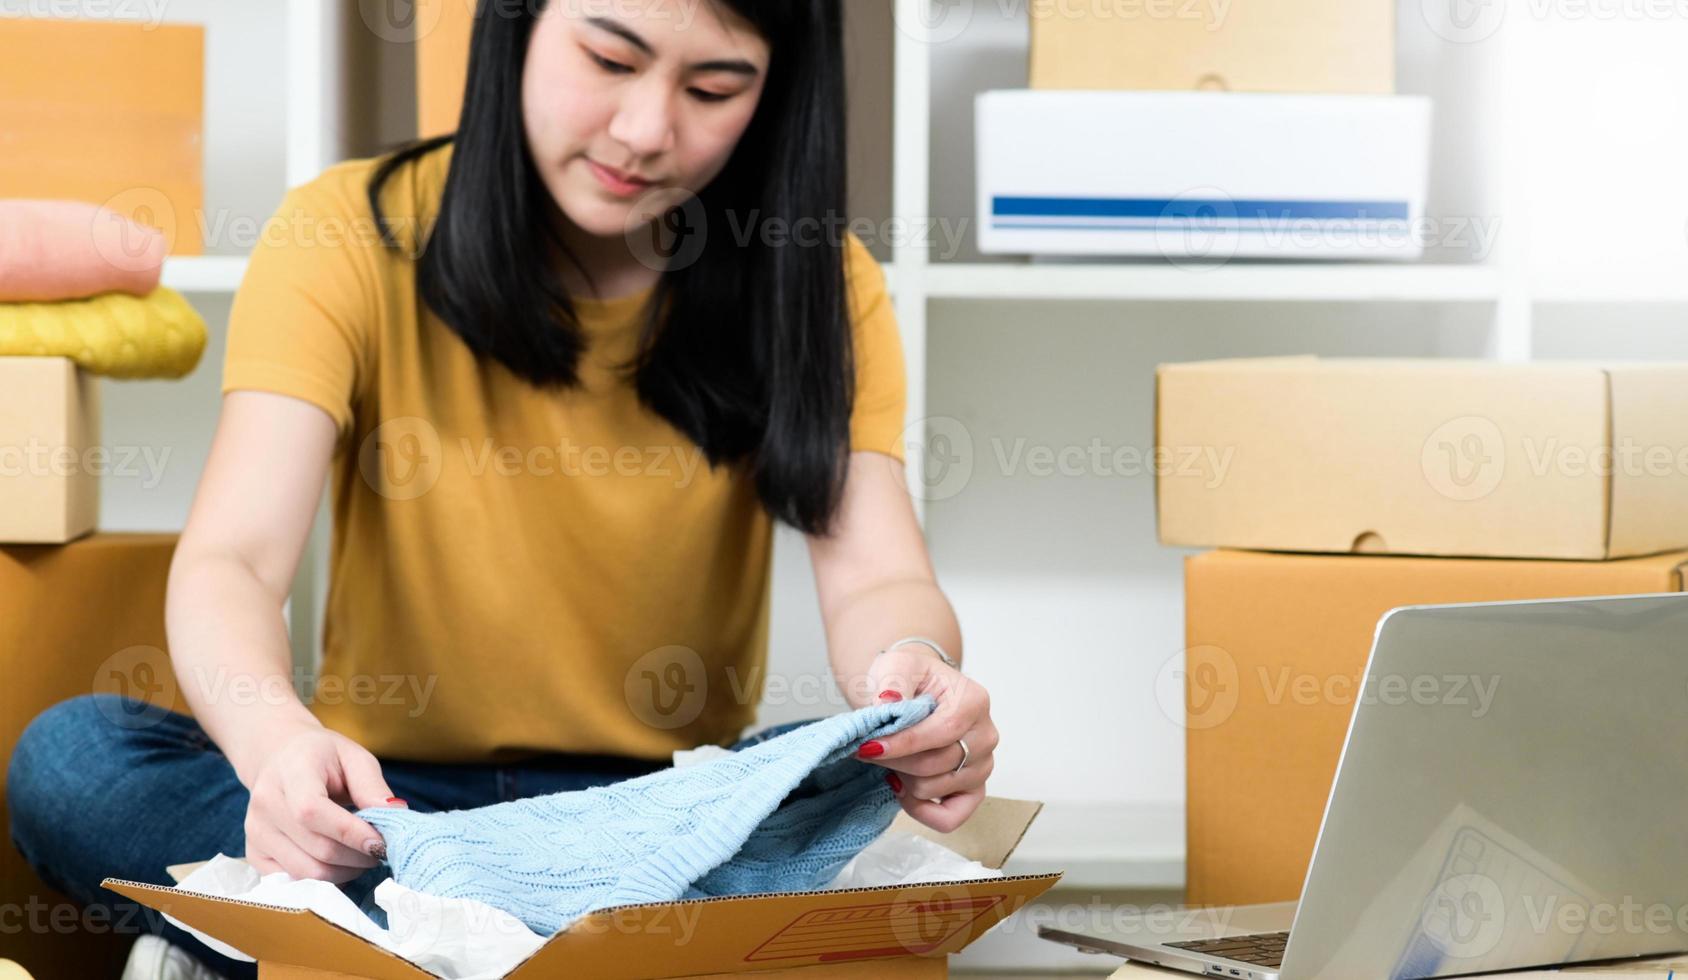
[609,264]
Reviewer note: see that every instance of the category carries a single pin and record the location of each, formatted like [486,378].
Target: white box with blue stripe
[1203,177]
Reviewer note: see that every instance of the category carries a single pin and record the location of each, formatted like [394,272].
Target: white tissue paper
[460,939]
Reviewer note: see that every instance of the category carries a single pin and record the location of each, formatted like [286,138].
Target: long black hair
[746,350]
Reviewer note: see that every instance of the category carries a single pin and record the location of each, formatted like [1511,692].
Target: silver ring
[958,766]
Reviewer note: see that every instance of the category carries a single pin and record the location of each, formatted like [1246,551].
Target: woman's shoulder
[859,257]
[409,196]
[863,275]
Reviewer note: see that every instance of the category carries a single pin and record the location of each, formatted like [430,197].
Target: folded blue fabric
[785,814]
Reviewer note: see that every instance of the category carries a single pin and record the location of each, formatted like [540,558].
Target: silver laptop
[1543,823]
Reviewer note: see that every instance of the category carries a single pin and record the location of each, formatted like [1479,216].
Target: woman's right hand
[297,822]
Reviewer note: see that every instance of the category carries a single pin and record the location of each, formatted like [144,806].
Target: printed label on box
[866,931]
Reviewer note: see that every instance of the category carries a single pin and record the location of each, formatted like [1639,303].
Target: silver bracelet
[946,658]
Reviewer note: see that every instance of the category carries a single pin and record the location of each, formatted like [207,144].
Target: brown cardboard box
[904,933]
[107,112]
[1427,457]
[442,63]
[1328,46]
[1276,644]
[74,619]
[49,421]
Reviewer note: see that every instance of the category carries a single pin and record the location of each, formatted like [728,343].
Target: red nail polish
[871,749]
[896,784]
[889,695]
[396,800]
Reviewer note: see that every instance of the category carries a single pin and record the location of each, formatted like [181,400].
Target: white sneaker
[155,958]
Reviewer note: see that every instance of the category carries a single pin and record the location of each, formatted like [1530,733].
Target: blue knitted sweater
[784,814]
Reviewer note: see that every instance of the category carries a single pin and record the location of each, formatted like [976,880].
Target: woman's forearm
[229,647]
[878,615]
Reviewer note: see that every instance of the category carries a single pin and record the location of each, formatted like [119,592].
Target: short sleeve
[304,313]
[877,422]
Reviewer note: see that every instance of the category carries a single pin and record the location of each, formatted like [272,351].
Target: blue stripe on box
[1211,209]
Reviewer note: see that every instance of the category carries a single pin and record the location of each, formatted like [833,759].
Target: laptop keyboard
[1260,949]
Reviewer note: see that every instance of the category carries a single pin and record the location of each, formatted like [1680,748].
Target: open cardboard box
[903,932]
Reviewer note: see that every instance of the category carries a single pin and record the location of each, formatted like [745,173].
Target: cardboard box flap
[1649,444]
[988,836]
[294,937]
[737,933]
[743,933]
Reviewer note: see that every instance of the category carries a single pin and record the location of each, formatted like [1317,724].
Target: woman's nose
[644,123]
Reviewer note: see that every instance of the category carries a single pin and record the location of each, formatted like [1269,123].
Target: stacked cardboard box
[49,428]
[1330,46]
[125,129]
[81,611]
[75,619]
[1378,484]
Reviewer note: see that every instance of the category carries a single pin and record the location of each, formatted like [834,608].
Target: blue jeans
[104,786]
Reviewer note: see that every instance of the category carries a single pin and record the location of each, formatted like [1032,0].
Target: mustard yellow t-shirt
[514,570]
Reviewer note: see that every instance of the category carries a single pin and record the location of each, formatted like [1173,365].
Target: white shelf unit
[1103,825]
[1234,283]
[205,274]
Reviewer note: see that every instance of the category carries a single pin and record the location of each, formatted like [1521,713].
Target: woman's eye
[703,95]
[615,67]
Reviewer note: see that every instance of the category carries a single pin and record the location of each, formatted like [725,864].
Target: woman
[557,451]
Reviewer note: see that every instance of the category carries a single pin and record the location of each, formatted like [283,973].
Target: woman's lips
[615,182]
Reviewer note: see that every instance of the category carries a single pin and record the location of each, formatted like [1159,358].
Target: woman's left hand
[921,759]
